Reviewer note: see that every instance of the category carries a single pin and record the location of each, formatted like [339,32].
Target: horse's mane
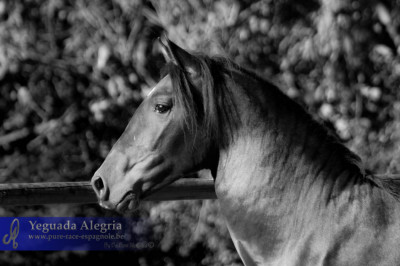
[209,107]
[212,106]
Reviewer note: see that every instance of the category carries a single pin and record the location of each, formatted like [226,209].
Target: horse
[291,193]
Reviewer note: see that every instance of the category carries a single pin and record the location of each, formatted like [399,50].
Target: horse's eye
[161,108]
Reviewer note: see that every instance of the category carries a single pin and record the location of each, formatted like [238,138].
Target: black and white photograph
[200,132]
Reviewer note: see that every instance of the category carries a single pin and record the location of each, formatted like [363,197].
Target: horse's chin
[128,203]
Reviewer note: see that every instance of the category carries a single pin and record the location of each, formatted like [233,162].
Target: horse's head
[162,141]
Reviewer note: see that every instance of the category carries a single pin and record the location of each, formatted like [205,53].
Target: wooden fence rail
[82,192]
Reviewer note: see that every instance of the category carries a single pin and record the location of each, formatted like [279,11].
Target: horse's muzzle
[128,203]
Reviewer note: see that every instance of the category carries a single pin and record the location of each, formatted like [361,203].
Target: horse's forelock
[183,97]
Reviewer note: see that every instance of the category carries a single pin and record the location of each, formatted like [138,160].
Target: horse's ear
[175,54]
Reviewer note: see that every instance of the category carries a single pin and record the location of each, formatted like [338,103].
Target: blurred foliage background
[73,72]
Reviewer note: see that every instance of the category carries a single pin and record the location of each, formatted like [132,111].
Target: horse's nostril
[99,187]
[98,184]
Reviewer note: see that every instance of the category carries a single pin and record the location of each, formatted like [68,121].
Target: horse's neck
[281,157]
[285,186]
